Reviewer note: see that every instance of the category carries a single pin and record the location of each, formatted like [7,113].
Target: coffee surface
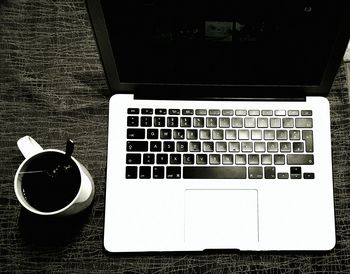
[51,181]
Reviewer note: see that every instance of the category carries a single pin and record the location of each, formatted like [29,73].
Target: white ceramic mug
[30,148]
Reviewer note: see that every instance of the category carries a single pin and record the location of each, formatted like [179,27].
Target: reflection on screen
[221,42]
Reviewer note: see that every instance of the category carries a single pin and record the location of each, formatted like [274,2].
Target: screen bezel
[221,91]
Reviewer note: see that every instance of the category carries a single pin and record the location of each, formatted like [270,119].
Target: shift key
[300,159]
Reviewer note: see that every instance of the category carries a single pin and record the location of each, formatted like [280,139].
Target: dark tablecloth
[52,88]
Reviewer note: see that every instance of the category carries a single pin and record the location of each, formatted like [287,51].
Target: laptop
[219,129]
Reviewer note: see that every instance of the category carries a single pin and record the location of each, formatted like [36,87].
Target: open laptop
[219,132]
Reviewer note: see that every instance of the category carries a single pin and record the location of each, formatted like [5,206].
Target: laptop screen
[221,42]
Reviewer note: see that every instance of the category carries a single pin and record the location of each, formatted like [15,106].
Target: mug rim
[32,209]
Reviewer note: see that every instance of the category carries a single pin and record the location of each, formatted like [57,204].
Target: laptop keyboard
[218,144]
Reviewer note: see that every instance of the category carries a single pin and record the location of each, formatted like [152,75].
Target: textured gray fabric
[51,87]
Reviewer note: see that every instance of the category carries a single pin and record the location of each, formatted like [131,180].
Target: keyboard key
[155,146]
[208,146]
[307,136]
[275,122]
[174,112]
[309,175]
[147,111]
[212,122]
[282,135]
[227,112]
[172,121]
[295,172]
[259,146]
[195,147]
[135,133]
[185,122]
[187,112]
[269,134]
[279,159]
[165,134]
[249,122]
[145,172]
[146,121]
[175,159]
[234,147]
[218,134]
[288,122]
[201,159]
[214,112]
[253,159]
[137,146]
[270,172]
[160,111]
[294,135]
[253,112]
[178,134]
[247,146]
[306,113]
[300,159]
[173,172]
[285,147]
[169,146]
[241,112]
[192,134]
[303,122]
[256,134]
[201,112]
[266,159]
[158,172]
[133,121]
[220,147]
[298,147]
[243,134]
[224,122]
[162,159]
[215,172]
[272,147]
[133,111]
[293,112]
[204,134]
[241,159]
[133,158]
[131,172]
[181,146]
[266,112]
[159,121]
[237,122]
[152,133]
[214,159]
[198,122]
[148,159]
[227,159]
[230,134]
[188,159]
[255,172]
[280,112]
[262,122]
[283,175]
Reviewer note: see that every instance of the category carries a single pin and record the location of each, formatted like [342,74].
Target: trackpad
[221,218]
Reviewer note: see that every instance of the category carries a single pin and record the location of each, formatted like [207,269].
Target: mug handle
[28,146]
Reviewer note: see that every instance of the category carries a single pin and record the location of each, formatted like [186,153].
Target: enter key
[309,142]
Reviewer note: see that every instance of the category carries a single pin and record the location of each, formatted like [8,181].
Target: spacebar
[214,172]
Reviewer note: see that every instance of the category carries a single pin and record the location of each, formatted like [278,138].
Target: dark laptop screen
[222,41]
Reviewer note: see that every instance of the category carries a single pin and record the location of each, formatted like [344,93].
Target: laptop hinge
[221,94]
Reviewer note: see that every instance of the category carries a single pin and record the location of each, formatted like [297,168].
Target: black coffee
[50,182]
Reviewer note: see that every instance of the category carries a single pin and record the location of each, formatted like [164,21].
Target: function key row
[218,112]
